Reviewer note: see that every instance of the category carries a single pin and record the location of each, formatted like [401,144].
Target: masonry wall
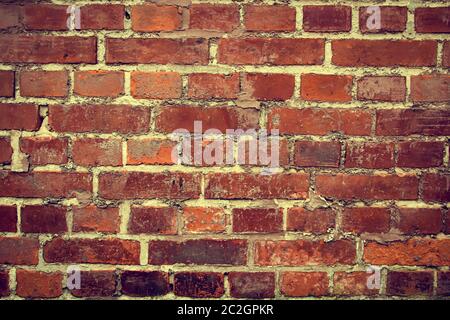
[87,180]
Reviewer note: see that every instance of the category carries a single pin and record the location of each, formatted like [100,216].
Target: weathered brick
[260,220]
[371,155]
[327,18]
[99,118]
[144,284]
[43,219]
[443,286]
[436,187]
[4,283]
[97,152]
[432,20]
[382,88]
[152,17]
[253,285]
[35,284]
[45,17]
[319,121]
[353,284]
[199,220]
[104,251]
[21,116]
[384,53]
[214,17]
[202,251]
[150,151]
[5,151]
[263,86]
[102,16]
[95,219]
[326,88]
[393,19]
[430,88]
[99,83]
[47,49]
[44,184]
[155,85]
[304,284]
[408,283]
[9,16]
[420,154]
[253,186]
[199,284]
[8,219]
[304,252]
[446,54]
[142,185]
[317,153]
[370,187]
[317,221]
[269,18]
[213,86]
[366,219]
[156,51]
[7,83]
[153,220]
[96,284]
[19,251]
[414,252]
[420,221]
[44,84]
[271,51]
[45,150]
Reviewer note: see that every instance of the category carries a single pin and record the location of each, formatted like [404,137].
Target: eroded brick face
[92,173]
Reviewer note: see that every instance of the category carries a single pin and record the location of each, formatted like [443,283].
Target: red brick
[45,150]
[102,16]
[100,251]
[45,184]
[47,49]
[320,121]
[19,251]
[144,284]
[35,284]
[443,287]
[96,284]
[326,88]
[199,284]
[304,252]
[371,155]
[8,219]
[317,153]
[150,151]
[367,219]
[446,54]
[405,122]
[99,118]
[99,83]
[44,84]
[213,86]
[420,154]
[7,83]
[420,221]
[432,20]
[382,88]
[214,17]
[263,86]
[353,284]
[369,187]
[97,152]
[430,88]
[327,18]
[413,252]
[259,220]
[143,185]
[9,16]
[409,283]
[248,156]
[21,116]
[317,221]
[43,219]
[200,251]
[95,219]
[172,118]
[384,53]
[304,284]
[254,186]
[153,220]
[199,220]
[155,85]
[253,285]
[271,51]
[5,151]
[4,283]
[45,17]
[152,17]
[436,188]
[393,19]
[156,51]
[269,18]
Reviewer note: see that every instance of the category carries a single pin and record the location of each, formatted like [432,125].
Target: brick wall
[86,176]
